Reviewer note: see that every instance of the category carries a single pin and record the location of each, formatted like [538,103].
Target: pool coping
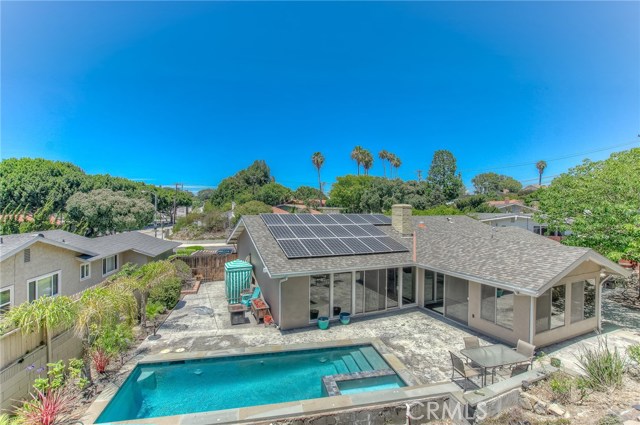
[267,411]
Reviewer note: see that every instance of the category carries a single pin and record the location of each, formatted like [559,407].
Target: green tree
[599,202]
[357,156]
[45,313]
[274,194]
[540,165]
[250,208]
[318,161]
[475,203]
[348,190]
[443,178]
[395,163]
[103,211]
[383,156]
[493,184]
[367,161]
[242,186]
[31,182]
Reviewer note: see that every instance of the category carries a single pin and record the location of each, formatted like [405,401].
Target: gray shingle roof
[91,248]
[460,246]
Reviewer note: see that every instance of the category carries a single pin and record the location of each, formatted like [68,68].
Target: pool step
[351,364]
[374,359]
[340,366]
[363,364]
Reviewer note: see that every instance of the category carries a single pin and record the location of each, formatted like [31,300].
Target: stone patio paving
[419,339]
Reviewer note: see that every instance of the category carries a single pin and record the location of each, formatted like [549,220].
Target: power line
[523,164]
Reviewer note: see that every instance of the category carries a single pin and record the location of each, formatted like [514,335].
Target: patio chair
[471,342]
[256,294]
[527,350]
[466,371]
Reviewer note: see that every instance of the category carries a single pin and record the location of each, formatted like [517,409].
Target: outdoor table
[493,356]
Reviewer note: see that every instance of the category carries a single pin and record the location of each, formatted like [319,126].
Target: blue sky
[194,91]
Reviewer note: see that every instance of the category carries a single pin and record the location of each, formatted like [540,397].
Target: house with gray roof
[58,262]
[505,282]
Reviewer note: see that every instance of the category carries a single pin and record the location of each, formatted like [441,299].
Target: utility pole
[419,174]
[155,215]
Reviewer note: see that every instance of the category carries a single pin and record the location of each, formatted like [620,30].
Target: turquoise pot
[323,323]
[345,318]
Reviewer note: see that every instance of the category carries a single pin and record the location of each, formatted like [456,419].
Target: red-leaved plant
[100,360]
[48,408]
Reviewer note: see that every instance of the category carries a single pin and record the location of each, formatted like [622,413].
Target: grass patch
[604,368]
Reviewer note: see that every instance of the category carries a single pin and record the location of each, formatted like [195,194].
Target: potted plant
[345,318]
[314,314]
[323,322]
[336,311]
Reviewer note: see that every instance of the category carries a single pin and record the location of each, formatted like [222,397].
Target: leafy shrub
[100,360]
[610,419]
[166,293]
[183,271]
[52,407]
[561,387]
[634,353]
[153,310]
[114,340]
[604,368]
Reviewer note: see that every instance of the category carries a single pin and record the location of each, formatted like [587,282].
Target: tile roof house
[505,282]
[58,262]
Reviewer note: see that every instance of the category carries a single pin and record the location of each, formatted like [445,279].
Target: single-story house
[504,282]
[56,262]
[521,220]
[512,206]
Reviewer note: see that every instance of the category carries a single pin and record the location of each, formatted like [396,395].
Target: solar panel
[290,219]
[373,230]
[325,218]
[271,219]
[393,244]
[375,244]
[281,232]
[321,231]
[356,230]
[357,218]
[302,232]
[337,246]
[320,235]
[293,248]
[316,248]
[308,218]
[339,231]
[356,246]
[341,219]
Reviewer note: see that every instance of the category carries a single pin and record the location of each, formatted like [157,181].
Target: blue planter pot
[345,318]
[323,323]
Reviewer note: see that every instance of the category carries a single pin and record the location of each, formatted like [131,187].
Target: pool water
[192,386]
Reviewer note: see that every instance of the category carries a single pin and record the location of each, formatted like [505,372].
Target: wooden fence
[208,264]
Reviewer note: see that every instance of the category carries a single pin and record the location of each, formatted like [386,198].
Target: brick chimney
[401,219]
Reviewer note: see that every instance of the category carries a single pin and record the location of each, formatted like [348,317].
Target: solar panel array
[327,235]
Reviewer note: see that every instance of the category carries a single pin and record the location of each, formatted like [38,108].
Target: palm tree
[318,161]
[395,163]
[540,165]
[367,161]
[383,155]
[356,155]
[46,314]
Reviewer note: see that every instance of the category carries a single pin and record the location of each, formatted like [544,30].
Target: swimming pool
[210,384]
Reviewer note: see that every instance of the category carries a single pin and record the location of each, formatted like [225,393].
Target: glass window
[392,288]
[504,308]
[44,286]
[85,271]
[457,299]
[359,292]
[429,286]
[319,296]
[550,308]
[408,285]
[109,264]
[341,293]
[583,300]
[372,294]
[439,287]
[5,299]
[488,303]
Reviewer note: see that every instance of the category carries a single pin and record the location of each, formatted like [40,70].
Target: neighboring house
[523,221]
[512,206]
[504,282]
[56,262]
